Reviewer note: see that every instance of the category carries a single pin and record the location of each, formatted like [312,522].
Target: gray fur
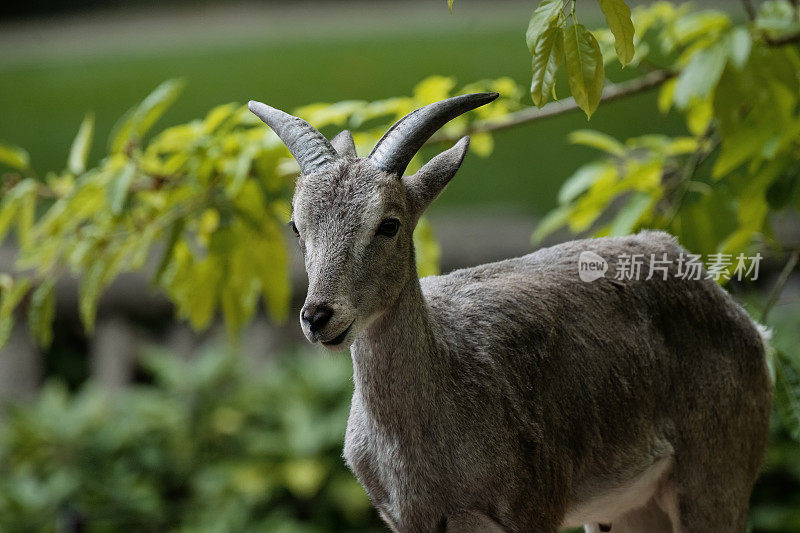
[515,397]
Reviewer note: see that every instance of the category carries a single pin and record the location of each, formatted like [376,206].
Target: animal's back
[654,367]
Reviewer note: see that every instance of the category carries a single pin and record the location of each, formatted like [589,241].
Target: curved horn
[308,146]
[398,145]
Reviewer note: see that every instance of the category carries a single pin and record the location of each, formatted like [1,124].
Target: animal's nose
[316,316]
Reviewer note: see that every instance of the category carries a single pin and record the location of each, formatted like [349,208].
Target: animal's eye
[294,228]
[389,227]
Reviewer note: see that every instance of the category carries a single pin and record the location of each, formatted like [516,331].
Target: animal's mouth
[339,339]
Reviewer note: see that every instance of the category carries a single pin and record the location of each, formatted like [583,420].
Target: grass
[42,100]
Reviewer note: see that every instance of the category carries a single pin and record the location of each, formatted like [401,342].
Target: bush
[216,444]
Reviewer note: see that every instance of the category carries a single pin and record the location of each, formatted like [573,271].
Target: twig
[782,41]
[706,144]
[553,109]
[749,9]
[779,284]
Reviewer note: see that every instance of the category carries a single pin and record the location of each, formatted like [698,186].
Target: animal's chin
[338,342]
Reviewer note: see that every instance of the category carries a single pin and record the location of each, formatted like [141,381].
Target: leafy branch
[206,201]
[524,116]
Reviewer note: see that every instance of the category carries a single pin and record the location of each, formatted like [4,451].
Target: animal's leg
[712,481]
[711,497]
[472,522]
[714,507]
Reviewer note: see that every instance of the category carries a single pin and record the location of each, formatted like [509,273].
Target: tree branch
[779,284]
[782,41]
[553,109]
[749,9]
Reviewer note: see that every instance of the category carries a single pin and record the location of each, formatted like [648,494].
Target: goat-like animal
[513,396]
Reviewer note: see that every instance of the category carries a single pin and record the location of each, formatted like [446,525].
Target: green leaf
[26,212]
[79,152]
[134,124]
[41,313]
[428,250]
[584,178]
[547,56]
[120,185]
[754,108]
[8,213]
[633,211]
[547,11]
[777,17]
[700,77]
[207,274]
[740,46]
[584,67]
[787,393]
[554,220]
[11,293]
[666,96]
[89,292]
[175,232]
[781,191]
[18,208]
[595,139]
[696,25]
[14,156]
[618,17]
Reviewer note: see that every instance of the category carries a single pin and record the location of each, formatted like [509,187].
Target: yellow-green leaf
[595,139]
[585,70]
[547,56]
[547,11]
[740,46]
[42,311]
[26,215]
[633,211]
[554,220]
[89,291]
[79,152]
[698,80]
[585,177]
[8,213]
[482,144]
[428,250]
[666,96]
[14,156]
[787,392]
[121,184]
[11,293]
[175,232]
[618,17]
[141,118]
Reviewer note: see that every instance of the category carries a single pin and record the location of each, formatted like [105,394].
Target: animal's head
[354,217]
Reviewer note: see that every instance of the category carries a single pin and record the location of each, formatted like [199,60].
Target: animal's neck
[398,364]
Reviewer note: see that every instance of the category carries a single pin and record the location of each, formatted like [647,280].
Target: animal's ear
[424,186]
[344,145]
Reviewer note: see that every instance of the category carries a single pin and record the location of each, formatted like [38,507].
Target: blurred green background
[219,440]
[304,54]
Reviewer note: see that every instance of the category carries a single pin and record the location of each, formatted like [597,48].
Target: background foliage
[200,205]
[215,192]
[215,444]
